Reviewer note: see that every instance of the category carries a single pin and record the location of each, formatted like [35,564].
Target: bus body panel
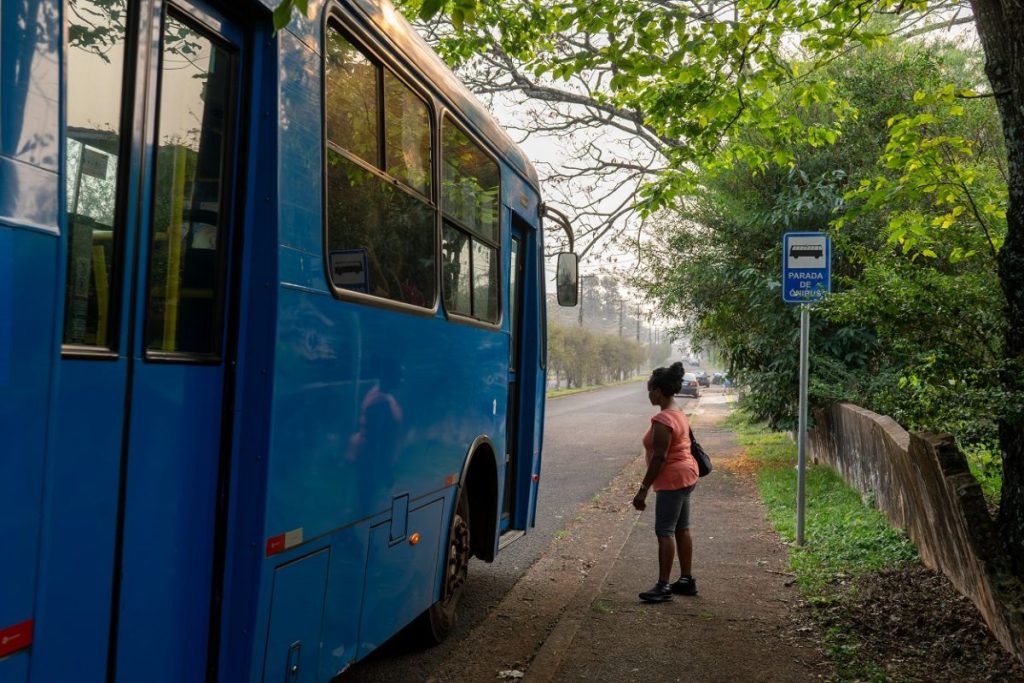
[27,276]
[353,427]
[30,45]
[83,469]
[297,598]
[400,575]
[344,602]
[170,509]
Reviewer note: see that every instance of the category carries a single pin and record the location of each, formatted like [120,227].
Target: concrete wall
[922,484]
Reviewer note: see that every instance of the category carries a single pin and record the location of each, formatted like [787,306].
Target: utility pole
[638,323]
[620,317]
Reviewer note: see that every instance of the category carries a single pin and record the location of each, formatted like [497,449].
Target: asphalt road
[588,439]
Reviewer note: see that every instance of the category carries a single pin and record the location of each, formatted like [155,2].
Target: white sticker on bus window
[349,269]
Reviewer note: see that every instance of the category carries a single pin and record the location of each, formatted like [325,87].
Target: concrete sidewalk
[743,624]
[575,614]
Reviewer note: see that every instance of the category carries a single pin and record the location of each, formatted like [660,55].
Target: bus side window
[380,233]
[469,201]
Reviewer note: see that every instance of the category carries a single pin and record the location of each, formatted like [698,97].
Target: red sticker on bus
[14,638]
[275,544]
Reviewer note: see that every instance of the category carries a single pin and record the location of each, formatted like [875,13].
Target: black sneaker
[661,592]
[686,585]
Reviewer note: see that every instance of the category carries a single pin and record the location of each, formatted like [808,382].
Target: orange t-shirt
[680,468]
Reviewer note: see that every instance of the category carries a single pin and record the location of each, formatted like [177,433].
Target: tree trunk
[1001,29]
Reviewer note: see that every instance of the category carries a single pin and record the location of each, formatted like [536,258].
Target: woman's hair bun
[669,380]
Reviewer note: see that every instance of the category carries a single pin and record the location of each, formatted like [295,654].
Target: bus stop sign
[806,267]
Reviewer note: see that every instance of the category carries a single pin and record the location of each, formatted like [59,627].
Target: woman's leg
[684,541]
[666,517]
[666,557]
[684,544]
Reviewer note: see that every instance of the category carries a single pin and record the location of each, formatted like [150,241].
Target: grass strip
[845,537]
[558,393]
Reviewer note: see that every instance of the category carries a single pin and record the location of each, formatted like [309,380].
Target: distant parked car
[691,387]
[703,379]
[717,377]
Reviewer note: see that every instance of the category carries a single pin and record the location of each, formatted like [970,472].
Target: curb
[548,659]
[553,613]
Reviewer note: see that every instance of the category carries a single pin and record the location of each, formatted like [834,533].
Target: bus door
[516,282]
[180,404]
[144,414]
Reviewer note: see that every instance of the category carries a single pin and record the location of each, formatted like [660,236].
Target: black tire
[439,620]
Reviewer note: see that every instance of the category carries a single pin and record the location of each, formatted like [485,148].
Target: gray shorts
[672,510]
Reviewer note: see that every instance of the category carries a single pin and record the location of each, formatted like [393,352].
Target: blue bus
[271,339]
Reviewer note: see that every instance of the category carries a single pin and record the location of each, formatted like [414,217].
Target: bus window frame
[449,114]
[336,20]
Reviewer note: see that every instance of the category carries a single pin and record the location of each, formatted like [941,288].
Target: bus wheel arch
[471,532]
[479,483]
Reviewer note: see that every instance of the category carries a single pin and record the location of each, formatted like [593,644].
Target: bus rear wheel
[439,620]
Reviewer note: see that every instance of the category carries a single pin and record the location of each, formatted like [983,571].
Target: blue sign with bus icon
[806,267]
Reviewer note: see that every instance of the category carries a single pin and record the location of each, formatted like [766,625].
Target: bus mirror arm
[548,211]
[567,272]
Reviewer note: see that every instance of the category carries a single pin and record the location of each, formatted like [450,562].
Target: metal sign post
[806,278]
[801,451]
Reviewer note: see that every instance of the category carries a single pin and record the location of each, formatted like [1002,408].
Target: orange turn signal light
[414,539]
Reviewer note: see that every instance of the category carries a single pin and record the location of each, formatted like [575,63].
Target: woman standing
[672,472]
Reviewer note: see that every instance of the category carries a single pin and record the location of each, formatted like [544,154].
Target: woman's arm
[662,438]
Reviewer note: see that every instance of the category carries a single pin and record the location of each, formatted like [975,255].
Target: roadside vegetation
[845,539]
[579,358]
[913,193]
[555,393]
[882,616]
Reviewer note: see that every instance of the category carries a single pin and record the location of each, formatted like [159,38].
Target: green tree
[885,339]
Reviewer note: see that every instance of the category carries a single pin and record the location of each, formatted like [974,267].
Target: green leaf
[283,14]
[429,8]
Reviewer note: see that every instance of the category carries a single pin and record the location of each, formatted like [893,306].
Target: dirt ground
[915,627]
[575,616]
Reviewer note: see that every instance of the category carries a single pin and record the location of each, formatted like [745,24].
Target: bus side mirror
[567,279]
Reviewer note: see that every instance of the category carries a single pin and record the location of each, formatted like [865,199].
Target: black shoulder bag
[702,458]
